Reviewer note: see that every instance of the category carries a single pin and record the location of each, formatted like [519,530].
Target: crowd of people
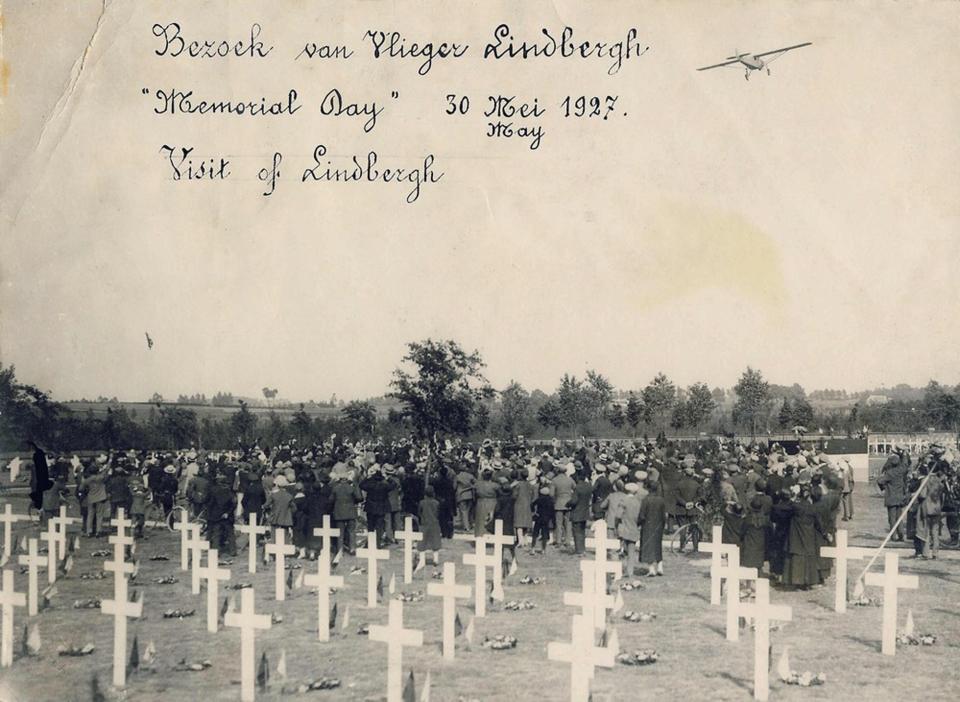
[778,503]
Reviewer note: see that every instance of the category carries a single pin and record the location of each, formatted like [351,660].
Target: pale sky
[806,223]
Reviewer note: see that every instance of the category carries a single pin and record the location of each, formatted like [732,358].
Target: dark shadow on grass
[719,630]
[946,611]
[869,643]
[699,595]
[739,682]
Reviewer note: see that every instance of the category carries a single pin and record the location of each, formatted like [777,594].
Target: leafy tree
[514,409]
[179,425]
[360,415]
[549,415]
[444,390]
[597,394]
[634,413]
[26,412]
[803,413]
[244,423]
[570,402]
[679,417]
[753,399]
[785,416]
[222,399]
[300,423]
[940,407]
[156,398]
[616,417]
[699,405]
[658,398]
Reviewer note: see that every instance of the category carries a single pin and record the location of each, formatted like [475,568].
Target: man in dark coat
[446,494]
[652,519]
[377,504]
[580,511]
[687,495]
[893,481]
[39,477]
[221,504]
[345,497]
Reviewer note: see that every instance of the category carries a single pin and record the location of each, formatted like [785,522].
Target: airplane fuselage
[751,62]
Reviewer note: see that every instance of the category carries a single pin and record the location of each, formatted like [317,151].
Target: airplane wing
[784,50]
[718,65]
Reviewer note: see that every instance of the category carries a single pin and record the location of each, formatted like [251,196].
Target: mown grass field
[696,662]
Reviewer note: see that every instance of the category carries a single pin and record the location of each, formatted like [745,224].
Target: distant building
[877,400]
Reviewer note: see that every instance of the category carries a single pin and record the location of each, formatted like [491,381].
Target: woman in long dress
[653,519]
[523,495]
[486,491]
[430,524]
[802,566]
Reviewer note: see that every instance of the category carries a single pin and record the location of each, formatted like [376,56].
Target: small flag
[282,665]
[497,594]
[379,587]
[618,602]
[421,562]
[4,560]
[346,619]
[425,693]
[858,589]
[134,663]
[47,595]
[336,559]
[150,654]
[136,569]
[468,634]
[76,543]
[223,609]
[333,617]
[783,666]
[513,567]
[410,689]
[263,673]
[392,587]
[298,581]
[457,625]
[23,641]
[290,580]
[23,543]
[908,627]
[14,469]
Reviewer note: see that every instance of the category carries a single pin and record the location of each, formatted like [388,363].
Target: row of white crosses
[480,559]
[120,607]
[582,652]
[890,580]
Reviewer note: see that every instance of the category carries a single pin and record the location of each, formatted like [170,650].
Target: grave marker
[372,554]
[32,560]
[253,531]
[396,637]
[762,612]
[842,553]
[323,581]
[449,591]
[891,581]
[213,574]
[409,537]
[248,621]
[279,549]
[583,655]
[9,598]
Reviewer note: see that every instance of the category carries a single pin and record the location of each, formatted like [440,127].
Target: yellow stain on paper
[687,248]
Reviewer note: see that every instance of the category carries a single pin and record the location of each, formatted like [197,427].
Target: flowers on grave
[358,570]
[363,629]
[99,575]
[159,557]
[805,679]
[76,650]
[518,605]
[276,618]
[318,684]
[500,642]
[635,617]
[864,601]
[436,575]
[165,580]
[416,596]
[240,586]
[178,613]
[102,553]
[287,566]
[193,667]
[917,639]
[92,603]
[632,585]
[644,656]
[527,580]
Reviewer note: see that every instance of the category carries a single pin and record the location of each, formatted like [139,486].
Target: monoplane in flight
[755,62]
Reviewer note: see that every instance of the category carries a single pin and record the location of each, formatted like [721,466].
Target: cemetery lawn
[695,660]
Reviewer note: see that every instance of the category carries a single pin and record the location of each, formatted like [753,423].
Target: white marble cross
[733,573]
[186,529]
[589,599]
[499,540]
[9,518]
[372,554]
[409,537]
[327,534]
[842,553]
[396,637]
[583,655]
[62,522]
[449,591]
[323,581]
[253,532]
[9,598]
[279,549]
[197,546]
[601,544]
[248,621]
[213,574]
[480,560]
[717,550]
[120,608]
[762,612]
[50,536]
[891,581]
[33,561]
